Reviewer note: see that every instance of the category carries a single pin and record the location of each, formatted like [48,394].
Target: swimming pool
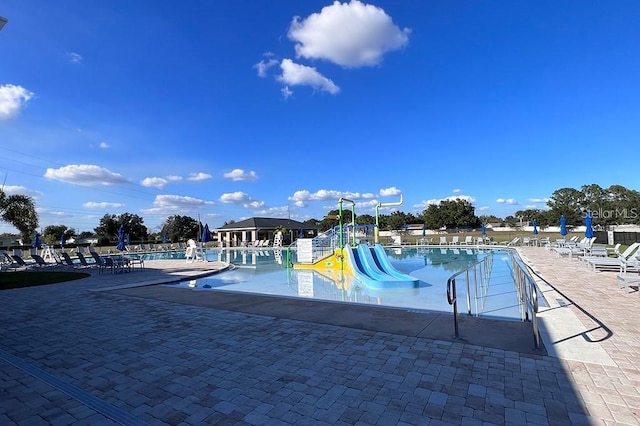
[265,272]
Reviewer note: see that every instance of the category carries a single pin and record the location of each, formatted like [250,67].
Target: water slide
[361,262]
[381,259]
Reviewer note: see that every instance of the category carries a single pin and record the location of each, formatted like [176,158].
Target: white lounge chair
[455,240]
[443,240]
[610,263]
[468,240]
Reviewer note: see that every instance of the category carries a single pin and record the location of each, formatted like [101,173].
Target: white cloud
[264,66]
[172,178]
[85,174]
[509,201]
[154,182]
[456,191]
[20,190]
[240,198]
[102,205]
[103,145]
[239,174]
[74,57]
[12,99]
[301,197]
[435,201]
[176,204]
[286,92]
[350,34]
[301,75]
[389,192]
[538,200]
[199,176]
[274,212]
[483,208]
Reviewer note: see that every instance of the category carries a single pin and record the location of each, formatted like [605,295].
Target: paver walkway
[69,355]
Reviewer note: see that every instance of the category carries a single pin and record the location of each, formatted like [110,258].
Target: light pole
[2,22]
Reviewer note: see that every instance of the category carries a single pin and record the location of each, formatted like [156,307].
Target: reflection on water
[265,272]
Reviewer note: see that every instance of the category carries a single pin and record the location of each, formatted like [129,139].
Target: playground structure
[340,252]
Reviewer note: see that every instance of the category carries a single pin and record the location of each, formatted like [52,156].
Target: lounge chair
[455,240]
[7,262]
[610,263]
[468,240]
[41,263]
[443,241]
[21,262]
[83,261]
[513,242]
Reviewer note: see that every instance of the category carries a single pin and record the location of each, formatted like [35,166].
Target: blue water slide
[382,261]
[363,267]
[369,265]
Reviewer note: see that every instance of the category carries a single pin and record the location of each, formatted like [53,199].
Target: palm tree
[19,211]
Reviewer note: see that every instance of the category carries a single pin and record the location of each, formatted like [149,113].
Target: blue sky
[232,109]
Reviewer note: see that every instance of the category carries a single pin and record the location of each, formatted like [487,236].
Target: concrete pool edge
[498,334]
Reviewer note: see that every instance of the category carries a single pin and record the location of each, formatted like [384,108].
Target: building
[246,232]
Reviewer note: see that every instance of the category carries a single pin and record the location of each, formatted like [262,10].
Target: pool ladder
[480,273]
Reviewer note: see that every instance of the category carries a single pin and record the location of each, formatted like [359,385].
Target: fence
[625,238]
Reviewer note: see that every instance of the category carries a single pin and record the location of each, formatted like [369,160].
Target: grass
[24,279]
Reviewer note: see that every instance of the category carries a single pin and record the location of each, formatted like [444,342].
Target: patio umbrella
[483,230]
[206,234]
[121,246]
[535,227]
[127,239]
[164,239]
[563,225]
[36,240]
[63,240]
[424,230]
[588,221]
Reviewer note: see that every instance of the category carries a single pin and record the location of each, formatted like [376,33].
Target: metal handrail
[528,293]
[525,287]
[452,297]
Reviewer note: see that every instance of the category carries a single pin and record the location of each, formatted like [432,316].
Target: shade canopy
[563,225]
[121,245]
[206,234]
[588,223]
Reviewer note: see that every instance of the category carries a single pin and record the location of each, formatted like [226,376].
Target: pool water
[265,272]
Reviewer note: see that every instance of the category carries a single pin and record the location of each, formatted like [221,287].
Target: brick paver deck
[69,355]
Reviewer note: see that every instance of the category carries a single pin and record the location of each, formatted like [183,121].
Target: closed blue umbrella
[424,230]
[164,239]
[121,245]
[36,241]
[563,225]
[588,222]
[483,230]
[535,227]
[63,240]
[127,239]
[206,234]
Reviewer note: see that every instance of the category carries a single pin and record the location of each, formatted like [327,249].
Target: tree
[568,202]
[450,214]
[132,223]
[19,211]
[181,228]
[53,233]
[365,219]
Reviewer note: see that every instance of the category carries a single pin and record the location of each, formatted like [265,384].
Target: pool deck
[114,349]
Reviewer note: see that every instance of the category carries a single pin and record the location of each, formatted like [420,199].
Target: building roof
[264,223]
